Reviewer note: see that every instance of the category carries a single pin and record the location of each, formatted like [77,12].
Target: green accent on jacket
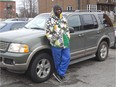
[66,40]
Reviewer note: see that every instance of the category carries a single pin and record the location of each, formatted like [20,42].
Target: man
[58,34]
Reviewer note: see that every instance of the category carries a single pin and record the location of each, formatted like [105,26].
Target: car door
[77,38]
[91,32]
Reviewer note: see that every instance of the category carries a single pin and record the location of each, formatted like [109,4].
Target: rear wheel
[41,68]
[102,52]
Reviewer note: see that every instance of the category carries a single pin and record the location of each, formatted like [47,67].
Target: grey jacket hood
[55,8]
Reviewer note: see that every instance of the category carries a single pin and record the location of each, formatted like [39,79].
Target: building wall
[46,5]
[106,5]
[72,3]
[105,1]
[83,4]
[4,13]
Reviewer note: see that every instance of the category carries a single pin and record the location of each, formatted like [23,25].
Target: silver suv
[28,49]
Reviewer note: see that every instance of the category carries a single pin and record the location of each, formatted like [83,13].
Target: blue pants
[61,58]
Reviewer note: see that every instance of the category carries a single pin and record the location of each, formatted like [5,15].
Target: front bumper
[14,61]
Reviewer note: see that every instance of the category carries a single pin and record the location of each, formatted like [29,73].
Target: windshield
[2,25]
[38,22]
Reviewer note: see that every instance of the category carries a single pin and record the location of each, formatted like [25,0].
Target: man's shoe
[62,77]
[57,77]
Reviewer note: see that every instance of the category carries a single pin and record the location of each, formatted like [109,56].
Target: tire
[41,68]
[102,52]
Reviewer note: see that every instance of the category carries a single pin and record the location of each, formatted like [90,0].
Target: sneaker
[62,77]
[57,77]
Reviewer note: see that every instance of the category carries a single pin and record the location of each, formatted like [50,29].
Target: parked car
[17,19]
[28,50]
[11,25]
[29,19]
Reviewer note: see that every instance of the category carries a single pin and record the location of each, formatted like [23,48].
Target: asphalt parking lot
[89,73]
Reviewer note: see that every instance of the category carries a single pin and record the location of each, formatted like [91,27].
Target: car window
[17,26]
[101,18]
[38,22]
[74,21]
[88,22]
[94,21]
[2,25]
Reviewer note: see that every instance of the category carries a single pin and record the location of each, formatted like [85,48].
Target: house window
[91,7]
[69,8]
[106,1]
[114,0]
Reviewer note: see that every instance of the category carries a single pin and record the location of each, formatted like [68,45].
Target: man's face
[58,12]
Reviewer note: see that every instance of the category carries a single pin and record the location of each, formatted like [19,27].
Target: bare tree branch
[29,8]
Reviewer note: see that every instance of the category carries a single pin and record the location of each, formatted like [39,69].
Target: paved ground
[88,73]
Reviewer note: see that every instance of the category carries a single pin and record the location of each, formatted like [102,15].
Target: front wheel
[102,52]
[41,68]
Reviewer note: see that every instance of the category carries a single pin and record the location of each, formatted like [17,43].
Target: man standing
[58,34]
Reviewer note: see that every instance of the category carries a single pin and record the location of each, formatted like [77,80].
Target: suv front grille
[3,45]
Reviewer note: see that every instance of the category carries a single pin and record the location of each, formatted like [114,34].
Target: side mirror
[71,29]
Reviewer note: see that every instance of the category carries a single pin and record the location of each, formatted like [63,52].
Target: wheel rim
[43,68]
[103,51]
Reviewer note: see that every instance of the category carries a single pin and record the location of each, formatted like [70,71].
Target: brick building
[7,9]
[104,5]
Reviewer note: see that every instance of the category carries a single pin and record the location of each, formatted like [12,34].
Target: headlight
[15,47]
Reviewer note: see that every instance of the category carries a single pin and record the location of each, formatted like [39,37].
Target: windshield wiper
[26,27]
[37,28]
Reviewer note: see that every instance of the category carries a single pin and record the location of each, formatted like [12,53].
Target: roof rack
[82,11]
[88,11]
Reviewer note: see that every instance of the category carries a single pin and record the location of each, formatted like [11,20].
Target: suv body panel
[83,44]
[77,49]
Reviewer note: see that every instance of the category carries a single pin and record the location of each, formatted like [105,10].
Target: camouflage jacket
[57,31]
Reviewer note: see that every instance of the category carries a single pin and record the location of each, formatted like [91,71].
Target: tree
[29,8]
